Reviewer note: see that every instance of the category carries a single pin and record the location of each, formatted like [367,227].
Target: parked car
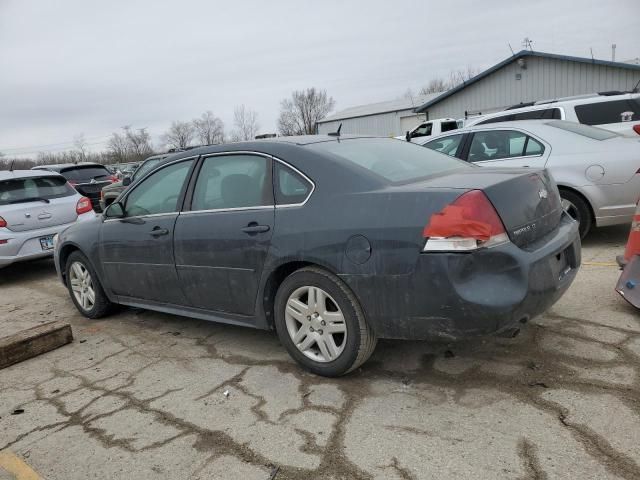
[86,177]
[334,242]
[34,207]
[597,171]
[430,128]
[110,192]
[615,111]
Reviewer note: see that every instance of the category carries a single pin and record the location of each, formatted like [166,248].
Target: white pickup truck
[431,128]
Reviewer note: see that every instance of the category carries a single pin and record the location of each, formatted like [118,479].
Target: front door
[137,250]
[221,243]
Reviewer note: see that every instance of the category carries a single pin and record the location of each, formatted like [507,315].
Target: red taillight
[83,206]
[468,223]
[636,128]
[3,222]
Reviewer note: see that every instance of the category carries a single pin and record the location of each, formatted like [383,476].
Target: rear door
[137,250]
[221,243]
[33,203]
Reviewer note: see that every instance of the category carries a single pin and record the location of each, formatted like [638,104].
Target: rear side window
[84,173]
[584,130]
[394,160]
[615,111]
[448,126]
[546,114]
[23,190]
[291,187]
[448,145]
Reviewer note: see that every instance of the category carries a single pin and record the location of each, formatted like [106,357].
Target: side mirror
[126,181]
[115,210]
[408,136]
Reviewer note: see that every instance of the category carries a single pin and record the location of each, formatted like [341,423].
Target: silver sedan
[35,206]
[597,171]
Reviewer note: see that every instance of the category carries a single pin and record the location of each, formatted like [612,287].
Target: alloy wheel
[316,324]
[82,286]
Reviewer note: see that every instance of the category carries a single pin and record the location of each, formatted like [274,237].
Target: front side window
[423,130]
[22,190]
[291,187]
[497,144]
[160,192]
[233,181]
[615,111]
[448,145]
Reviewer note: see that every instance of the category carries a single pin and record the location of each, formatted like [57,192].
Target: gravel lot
[142,395]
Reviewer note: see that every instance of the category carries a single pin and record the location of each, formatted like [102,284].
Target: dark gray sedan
[333,242]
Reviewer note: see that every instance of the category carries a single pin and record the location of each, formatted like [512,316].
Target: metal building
[390,118]
[531,76]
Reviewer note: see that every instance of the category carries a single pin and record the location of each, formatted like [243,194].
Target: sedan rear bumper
[457,295]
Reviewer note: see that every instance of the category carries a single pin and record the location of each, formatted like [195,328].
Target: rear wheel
[321,323]
[84,287]
[575,206]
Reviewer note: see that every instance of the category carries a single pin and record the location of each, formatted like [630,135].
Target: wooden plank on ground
[34,341]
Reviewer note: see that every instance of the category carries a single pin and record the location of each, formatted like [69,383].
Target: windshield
[20,190]
[85,173]
[584,130]
[395,160]
[146,167]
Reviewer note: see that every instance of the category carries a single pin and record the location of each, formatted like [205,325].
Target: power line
[8,150]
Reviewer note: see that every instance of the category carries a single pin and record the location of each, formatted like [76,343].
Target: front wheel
[578,209]
[321,323]
[84,287]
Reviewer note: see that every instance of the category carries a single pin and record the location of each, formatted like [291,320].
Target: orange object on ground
[633,243]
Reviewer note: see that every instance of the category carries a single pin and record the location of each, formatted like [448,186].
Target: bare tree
[435,85]
[456,77]
[138,143]
[209,128]
[118,147]
[246,124]
[81,146]
[300,113]
[179,135]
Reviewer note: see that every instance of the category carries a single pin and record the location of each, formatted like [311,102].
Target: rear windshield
[85,173]
[21,190]
[616,111]
[584,130]
[395,160]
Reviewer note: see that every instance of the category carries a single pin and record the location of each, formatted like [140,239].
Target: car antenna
[336,133]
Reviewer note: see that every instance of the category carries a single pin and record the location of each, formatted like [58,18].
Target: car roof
[15,174]
[62,166]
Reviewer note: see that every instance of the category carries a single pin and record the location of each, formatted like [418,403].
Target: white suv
[618,112]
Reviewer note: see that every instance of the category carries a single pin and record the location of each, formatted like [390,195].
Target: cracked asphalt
[142,395]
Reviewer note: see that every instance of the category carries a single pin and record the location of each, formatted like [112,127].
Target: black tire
[579,210]
[360,340]
[101,306]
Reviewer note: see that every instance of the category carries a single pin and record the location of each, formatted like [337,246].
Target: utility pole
[613,52]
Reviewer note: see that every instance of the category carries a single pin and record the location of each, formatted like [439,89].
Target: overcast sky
[78,66]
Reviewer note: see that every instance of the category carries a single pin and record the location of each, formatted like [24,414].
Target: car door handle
[255,228]
[157,232]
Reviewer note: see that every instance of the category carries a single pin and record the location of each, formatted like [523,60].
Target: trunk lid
[527,201]
[34,215]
